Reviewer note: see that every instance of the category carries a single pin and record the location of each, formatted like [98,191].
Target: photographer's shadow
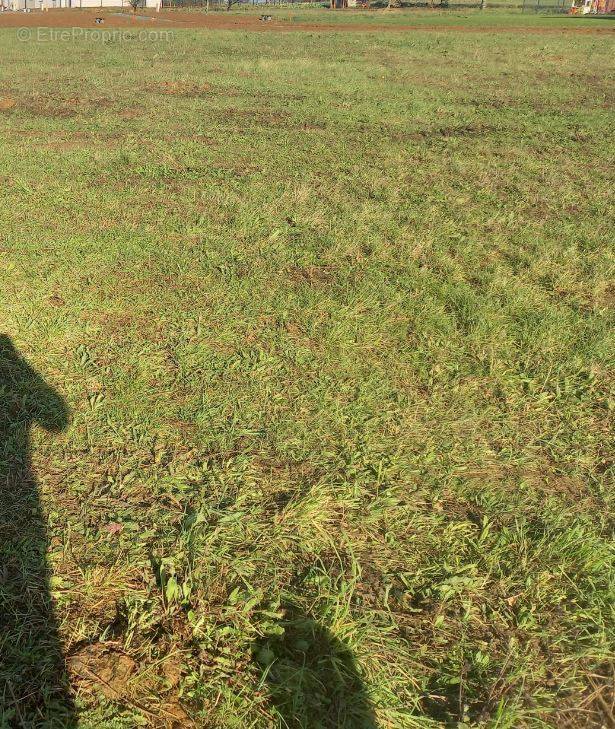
[34,690]
[312,677]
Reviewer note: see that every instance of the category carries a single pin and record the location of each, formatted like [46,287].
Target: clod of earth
[99,668]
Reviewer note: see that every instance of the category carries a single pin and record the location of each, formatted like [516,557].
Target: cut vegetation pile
[324,325]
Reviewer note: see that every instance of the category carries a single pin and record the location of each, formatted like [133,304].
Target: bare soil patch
[176,19]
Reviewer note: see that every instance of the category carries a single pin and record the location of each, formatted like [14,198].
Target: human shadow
[312,677]
[34,689]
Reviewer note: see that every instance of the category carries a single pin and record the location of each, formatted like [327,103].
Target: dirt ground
[172,19]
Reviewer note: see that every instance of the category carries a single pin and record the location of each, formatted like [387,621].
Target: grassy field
[459,15]
[306,349]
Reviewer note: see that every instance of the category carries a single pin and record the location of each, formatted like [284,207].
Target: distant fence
[547,6]
[374,4]
[217,4]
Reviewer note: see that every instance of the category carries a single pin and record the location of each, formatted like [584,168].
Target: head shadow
[312,676]
[34,690]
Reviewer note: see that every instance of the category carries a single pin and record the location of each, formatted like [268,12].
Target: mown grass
[332,314]
[496,15]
